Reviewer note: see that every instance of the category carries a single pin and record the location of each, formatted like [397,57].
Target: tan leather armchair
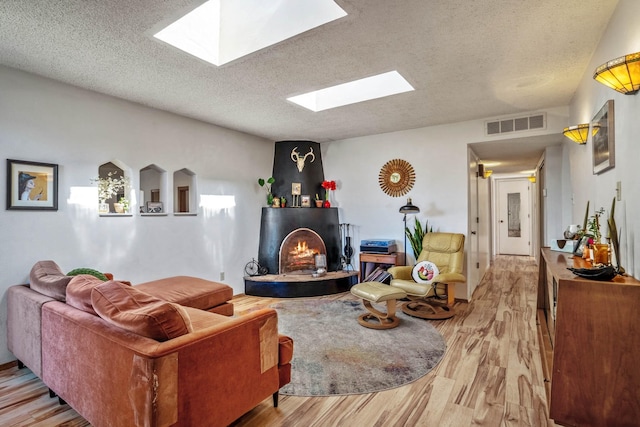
[446,251]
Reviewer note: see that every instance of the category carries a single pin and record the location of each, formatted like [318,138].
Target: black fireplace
[278,223]
[314,230]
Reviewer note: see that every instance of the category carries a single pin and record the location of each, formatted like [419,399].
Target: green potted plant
[417,236]
[122,206]
[267,186]
[283,202]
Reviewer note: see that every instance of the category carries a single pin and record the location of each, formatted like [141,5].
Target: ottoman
[377,292]
[192,292]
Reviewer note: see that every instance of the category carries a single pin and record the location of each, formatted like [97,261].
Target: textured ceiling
[467,60]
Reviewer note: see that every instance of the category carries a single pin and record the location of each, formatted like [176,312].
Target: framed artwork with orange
[32,185]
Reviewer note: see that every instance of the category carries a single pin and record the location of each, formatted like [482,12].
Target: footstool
[192,292]
[378,292]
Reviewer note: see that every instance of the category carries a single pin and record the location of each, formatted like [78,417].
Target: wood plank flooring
[491,374]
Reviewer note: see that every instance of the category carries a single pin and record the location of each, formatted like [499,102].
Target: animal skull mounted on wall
[295,156]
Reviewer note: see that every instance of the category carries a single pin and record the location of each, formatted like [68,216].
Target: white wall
[621,37]
[553,166]
[45,121]
[439,156]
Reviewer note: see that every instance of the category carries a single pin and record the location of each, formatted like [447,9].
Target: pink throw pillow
[128,308]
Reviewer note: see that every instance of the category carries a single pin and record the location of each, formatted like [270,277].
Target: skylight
[220,31]
[378,86]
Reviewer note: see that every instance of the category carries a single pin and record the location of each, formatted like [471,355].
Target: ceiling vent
[535,122]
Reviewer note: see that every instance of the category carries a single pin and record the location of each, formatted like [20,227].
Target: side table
[369,261]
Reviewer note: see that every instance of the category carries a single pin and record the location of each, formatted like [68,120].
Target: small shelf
[154,214]
[185,214]
[116,214]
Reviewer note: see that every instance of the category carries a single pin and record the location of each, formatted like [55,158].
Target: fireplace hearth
[290,238]
[290,275]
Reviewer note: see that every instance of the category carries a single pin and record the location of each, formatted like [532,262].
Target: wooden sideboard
[594,331]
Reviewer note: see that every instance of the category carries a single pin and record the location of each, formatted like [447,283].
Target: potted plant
[122,206]
[328,186]
[109,187]
[283,202]
[417,236]
[267,186]
[318,201]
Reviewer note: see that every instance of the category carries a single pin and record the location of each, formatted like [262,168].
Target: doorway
[513,216]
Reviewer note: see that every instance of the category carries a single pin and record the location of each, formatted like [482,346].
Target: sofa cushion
[189,291]
[47,278]
[79,292]
[138,312]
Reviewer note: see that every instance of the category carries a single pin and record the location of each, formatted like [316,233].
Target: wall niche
[153,190]
[185,193]
[114,188]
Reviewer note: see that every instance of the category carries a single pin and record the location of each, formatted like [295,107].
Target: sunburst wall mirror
[397,177]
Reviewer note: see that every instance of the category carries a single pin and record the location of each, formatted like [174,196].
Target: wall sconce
[482,172]
[532,179]
[621,74]
[578,133]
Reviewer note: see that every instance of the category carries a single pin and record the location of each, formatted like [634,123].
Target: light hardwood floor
[491,374]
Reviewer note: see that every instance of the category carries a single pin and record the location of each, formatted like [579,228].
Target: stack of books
[379,275]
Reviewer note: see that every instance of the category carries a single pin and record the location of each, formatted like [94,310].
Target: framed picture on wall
[32,185]
[603,139]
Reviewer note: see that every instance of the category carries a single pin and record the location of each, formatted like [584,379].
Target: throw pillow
[79,292]
[47,278]
[90,271]
[424,272]
[128,308]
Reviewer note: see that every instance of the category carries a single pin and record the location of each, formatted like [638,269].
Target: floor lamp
[409,208]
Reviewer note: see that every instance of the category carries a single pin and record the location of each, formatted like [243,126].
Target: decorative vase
[319,203]
[119,207]
[103,207]
[326,204]
[276,203]
[601,253]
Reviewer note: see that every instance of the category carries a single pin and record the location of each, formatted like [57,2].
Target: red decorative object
[328,186]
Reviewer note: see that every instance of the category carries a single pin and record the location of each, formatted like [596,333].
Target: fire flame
[301,250]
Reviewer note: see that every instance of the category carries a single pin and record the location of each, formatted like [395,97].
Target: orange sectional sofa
[121,356]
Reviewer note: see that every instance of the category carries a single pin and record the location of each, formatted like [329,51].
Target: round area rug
[334,355]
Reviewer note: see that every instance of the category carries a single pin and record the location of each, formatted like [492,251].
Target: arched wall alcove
[154,197]
[117,170]
[185,192]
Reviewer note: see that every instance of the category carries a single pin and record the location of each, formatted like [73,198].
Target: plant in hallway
[593,226]
[417,236]
[614,237]
[267,186]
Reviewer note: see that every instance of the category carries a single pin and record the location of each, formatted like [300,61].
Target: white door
[473,277]
[514,217]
